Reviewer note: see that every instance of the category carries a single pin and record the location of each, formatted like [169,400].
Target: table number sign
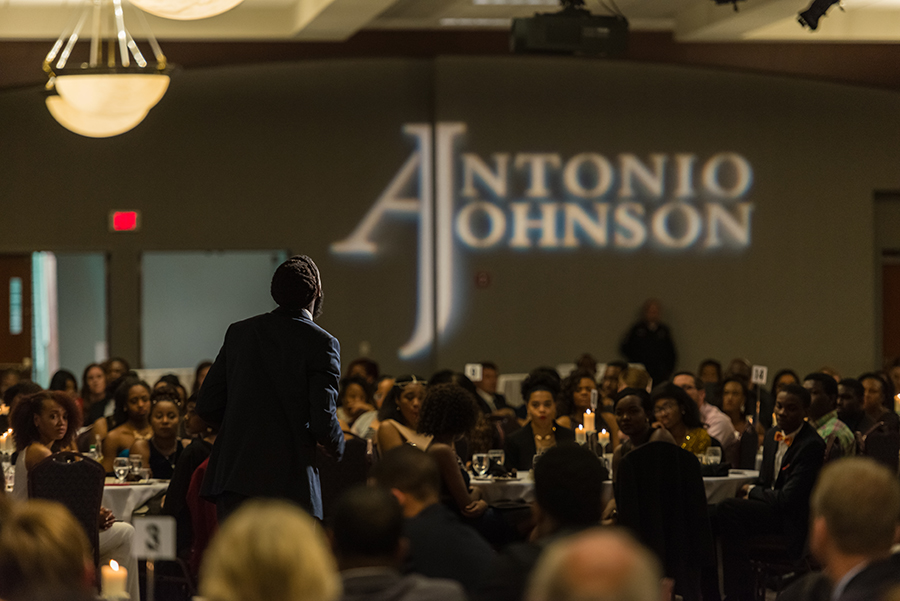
[760,374]
[154,538]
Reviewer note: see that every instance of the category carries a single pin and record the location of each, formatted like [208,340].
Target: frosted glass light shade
[112,94]
[89,124]
[185,10]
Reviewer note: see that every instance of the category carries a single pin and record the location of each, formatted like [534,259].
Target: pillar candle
[589,421]
[113,580]
[580,435]
[603,439]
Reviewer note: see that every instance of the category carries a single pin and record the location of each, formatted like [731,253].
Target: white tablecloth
[123,499]
[717,488]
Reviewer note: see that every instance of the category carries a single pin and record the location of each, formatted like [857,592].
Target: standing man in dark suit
[273,389]
[778,503]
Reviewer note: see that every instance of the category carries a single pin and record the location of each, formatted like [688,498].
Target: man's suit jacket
[870,584]
[273,389]
[789,494]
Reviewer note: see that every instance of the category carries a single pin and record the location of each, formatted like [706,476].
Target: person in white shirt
[717,423]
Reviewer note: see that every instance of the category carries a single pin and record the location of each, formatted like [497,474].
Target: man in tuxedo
[273,389]
[855,508]
[778,503]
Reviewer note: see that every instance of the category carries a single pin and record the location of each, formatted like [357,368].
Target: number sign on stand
[154,538]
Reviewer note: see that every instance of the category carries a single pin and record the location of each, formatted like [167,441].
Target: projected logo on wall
[539,201]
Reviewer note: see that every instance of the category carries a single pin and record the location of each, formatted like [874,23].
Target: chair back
[338,476]
[661,498]
[204,522]
[833,450]
[76,482]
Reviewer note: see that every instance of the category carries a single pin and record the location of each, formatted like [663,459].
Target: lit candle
[580,435]
[603,439]
[589,421]
[113,580]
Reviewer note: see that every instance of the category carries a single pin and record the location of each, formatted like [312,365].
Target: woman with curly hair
[43,423]
[448,412]
[542,431]
[576,399]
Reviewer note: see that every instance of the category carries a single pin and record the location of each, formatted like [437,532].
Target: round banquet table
[123,499]
[494,490]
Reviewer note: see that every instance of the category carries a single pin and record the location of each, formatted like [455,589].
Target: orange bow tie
[779,437]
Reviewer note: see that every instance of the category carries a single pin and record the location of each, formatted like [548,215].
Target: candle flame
[588,411]
[114,565]
[580,427]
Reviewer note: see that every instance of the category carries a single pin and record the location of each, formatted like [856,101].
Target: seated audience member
[576,399]
[484,435]
[778,504]
[115,368]
[399,415]
[635,377]
[364,368]
[634,413]
[678,414]
[742,369]
[367,540]
[132,413]
[718,425]
[360,415]
[587,362]
[8,377]
[742,453]
[11,396]
[199,375]
[164,447]
[823,392]
[64,381]
[568,485]
[878,401]
[440,545]
[609,384]
[44,554]
[93,394]
[597,565]
[203,436]
[850,406]
[487,390]
[385,383]
[269,550]
[710,374]
[172,381]
[448,412]
[783,378]
[43,424]
[539,391]
[854,508]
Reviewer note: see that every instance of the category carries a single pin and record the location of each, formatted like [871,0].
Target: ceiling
[338,20]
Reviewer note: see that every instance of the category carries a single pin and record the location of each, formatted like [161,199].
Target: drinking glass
[480,463]
[714,455]
[497,456]
[121,468]
[136,462]
[9,475]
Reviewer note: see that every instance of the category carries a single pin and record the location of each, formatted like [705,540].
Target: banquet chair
[880,445]
[773,565]
[76,482]
[661,498]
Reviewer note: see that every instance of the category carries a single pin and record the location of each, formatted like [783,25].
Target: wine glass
[481,463]
[714,455]
[121,468]
[497,456]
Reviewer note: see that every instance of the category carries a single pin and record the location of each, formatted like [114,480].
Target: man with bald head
[597,565]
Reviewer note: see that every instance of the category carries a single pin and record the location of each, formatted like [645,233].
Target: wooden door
[15,309]
[890,309]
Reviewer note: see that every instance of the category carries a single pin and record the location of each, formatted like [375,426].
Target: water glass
[497,456]
[121,468]
[9,474]
[481,463]
[136,462]
[714,455]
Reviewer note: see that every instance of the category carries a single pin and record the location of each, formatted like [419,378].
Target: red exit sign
[124,221]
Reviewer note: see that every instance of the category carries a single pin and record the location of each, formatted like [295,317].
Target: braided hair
[296,283]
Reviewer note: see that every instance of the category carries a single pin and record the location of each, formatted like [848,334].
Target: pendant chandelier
[110,95]
[186,10]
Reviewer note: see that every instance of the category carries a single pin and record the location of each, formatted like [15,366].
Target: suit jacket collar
[303,314]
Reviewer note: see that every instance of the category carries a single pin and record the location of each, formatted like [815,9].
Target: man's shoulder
[273,319]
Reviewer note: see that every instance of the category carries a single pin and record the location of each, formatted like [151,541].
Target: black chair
[774,567]
[661,498]
[76,482]
[881,445]
[338,476]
